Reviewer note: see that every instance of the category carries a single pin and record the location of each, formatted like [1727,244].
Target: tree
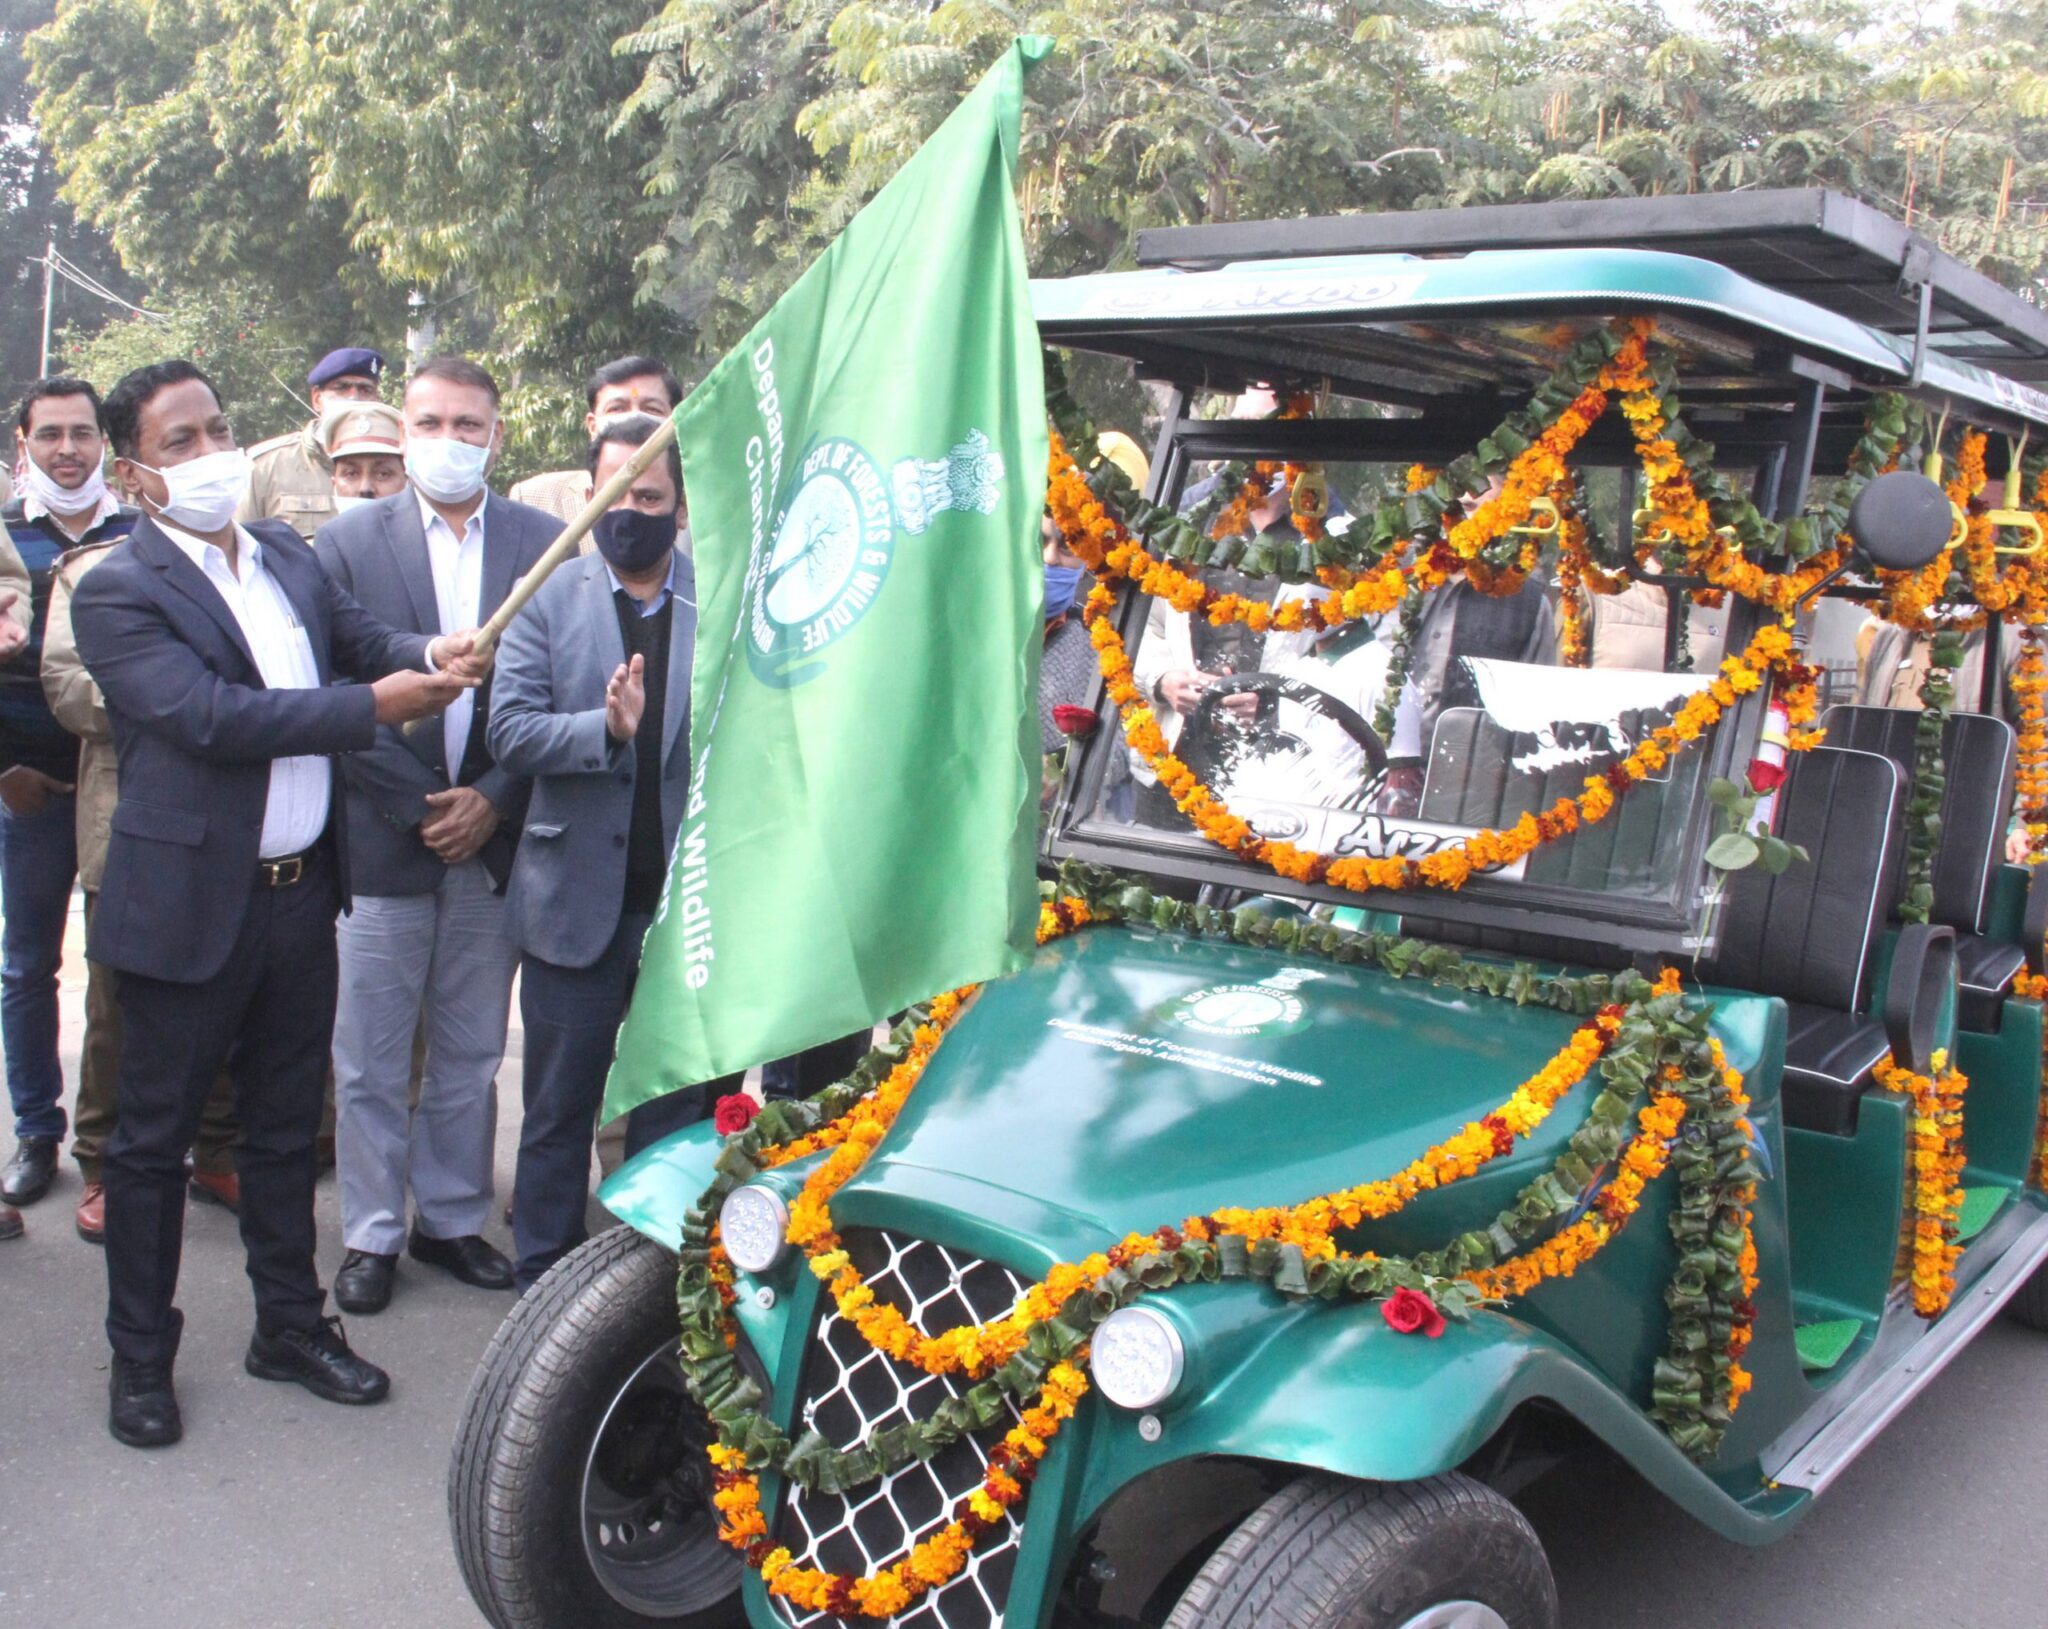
[564,185]
[164,120]
[475,146]
[722,83]
[257,361]
[32,215]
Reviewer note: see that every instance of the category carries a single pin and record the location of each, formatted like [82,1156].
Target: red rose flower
[1410,1312]
[734,1113]
[1075,720]
[1765,777]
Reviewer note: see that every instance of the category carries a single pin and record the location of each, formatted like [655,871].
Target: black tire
[2029,1305]
[1324,1553]
[555,1528]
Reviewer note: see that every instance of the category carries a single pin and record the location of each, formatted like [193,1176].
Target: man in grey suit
[591,700]
[432,823]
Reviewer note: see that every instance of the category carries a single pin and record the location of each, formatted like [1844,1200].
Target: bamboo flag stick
[564,547]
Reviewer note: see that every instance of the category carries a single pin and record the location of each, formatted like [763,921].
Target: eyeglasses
[56,435]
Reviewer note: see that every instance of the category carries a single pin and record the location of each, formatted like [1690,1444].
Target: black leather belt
[284,871]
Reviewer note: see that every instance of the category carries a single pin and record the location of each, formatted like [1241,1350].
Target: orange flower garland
[1537,469]
[1642,1162]
[932,1561]
[975,1349]
[2034,987]
[1572,647]
[2030,780]
[1934,1169]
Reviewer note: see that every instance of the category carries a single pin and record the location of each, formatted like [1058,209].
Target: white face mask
[446,470]
[59,500]
[342,505]
[204,492]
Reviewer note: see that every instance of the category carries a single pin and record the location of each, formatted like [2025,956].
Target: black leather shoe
[364,1283]
[318,1359]
[29,1174]
[143,1410]
[471,1258]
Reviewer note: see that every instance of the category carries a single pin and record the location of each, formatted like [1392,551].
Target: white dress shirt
[458,566]
[295,809]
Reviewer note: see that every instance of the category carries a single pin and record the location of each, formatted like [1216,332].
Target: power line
[53,261]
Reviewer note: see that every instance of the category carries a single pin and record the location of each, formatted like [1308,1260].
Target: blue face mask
[1062,586]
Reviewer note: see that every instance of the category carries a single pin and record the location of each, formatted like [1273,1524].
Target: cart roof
[1418,330]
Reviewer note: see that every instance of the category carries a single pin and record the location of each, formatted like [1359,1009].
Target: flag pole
[564,547]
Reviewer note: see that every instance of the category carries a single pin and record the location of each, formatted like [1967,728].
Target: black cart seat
[1980,757]
[1811,934]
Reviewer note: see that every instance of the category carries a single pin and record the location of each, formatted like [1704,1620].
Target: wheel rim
[649,1530]
[1458,1615]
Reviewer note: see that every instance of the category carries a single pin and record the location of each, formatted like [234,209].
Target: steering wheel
[1202,743]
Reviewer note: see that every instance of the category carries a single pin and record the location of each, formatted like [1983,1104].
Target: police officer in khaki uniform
[291,477]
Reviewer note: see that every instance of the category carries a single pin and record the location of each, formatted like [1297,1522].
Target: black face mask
[633,542]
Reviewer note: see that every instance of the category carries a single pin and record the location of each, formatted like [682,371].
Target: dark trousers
[809,1072]
[571,1017]
[268,1015]
[38,859]
[99,1067]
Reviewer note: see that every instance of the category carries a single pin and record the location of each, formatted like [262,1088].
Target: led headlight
[1137,1357]
[754,1223]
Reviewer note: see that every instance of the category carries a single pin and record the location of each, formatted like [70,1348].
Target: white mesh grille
[851,1390]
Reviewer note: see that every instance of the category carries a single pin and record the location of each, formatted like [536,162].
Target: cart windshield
[1484,709]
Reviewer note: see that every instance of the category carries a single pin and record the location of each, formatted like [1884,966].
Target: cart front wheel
[579,1492]
[1323,1553]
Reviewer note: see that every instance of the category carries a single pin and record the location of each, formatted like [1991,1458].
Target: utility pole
[49,294]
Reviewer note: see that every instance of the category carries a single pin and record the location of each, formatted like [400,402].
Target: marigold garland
[1562,1255]
[2034,987]
[1934,1172]
[2030,780]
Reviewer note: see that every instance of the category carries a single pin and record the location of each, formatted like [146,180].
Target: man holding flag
[866,474]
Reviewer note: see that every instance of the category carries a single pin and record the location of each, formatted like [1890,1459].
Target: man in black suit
[432,820]
[216,648]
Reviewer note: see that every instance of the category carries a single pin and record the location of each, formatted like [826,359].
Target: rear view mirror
[1900,521]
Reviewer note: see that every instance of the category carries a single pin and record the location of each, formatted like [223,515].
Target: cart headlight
[1137,1358]
[754,1223]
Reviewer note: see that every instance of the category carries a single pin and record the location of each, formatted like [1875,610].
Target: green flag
[865,474]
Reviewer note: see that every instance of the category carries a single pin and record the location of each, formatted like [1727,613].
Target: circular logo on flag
[824,565]
[1239,1009]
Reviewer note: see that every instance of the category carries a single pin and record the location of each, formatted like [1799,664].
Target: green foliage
[564,184]
[31,215]
[255,359]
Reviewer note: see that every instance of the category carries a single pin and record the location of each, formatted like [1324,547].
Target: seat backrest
[1468,782]
[1810,934]
[1980,758]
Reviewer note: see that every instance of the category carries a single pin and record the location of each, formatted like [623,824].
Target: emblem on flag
[969,478]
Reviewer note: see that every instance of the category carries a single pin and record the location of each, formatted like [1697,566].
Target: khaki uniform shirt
[562,493]
[292,480]
[14,579]
[77,703]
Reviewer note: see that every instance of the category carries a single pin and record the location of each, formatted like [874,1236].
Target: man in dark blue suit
[216,647]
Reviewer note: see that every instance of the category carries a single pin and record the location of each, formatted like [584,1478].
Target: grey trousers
[441,963]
